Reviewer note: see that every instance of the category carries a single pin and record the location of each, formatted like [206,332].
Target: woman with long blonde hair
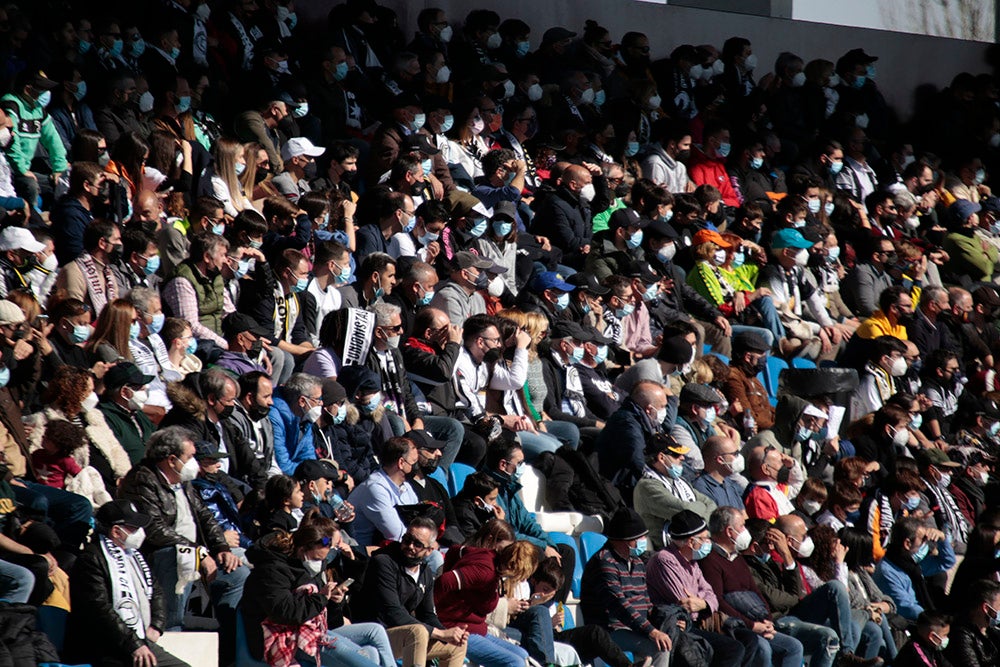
[230,164]
[257,162]
[113,330]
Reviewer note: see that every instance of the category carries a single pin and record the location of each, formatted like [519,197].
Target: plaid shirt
[281,642]
[181,299]
[613,592]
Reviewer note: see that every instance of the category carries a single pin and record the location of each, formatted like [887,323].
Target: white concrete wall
[905,61]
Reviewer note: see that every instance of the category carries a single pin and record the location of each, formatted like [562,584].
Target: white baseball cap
[19,238]
[300,146]
[10,313]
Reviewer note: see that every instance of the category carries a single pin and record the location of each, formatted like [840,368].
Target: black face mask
[411,561]
[254,351]
[683,156]
[622,190]
[116,253]
[259,176]
[226,412]
[310,171]
[258,412]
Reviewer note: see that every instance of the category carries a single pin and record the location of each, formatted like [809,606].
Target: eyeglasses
[396,329]
[490,340]
[409,540]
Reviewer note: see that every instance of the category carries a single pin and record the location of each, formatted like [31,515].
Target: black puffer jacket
[20,644]
[269,593]
[146,486]
[94,630]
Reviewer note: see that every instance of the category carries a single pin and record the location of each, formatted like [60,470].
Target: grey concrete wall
[906,61]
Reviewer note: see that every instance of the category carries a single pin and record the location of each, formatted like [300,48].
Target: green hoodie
[31,125]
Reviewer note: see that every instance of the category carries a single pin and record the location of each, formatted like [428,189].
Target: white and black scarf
[678,487]
[131,585]
[99,293]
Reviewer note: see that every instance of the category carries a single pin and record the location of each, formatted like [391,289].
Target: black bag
[589,492]
[687,649]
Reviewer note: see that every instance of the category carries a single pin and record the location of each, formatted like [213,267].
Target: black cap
[643,271]
[625,524]
[333,392]
[125,373]
[286,97]
[418,142]
[557,34]
[662,229]
[464,259]
[506,210]
[858,56]
[699,393]
[234,324]
[588,283]
[596,337]
[686,524]
[423,440]
[121,513]
[662,442]
[314,469]
[359,380]
[36,78]
[987,408]
[568,329]
[675,350]
[748,341]
[206,449]
[626,217]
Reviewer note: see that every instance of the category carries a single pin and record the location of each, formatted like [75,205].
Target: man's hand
[152,634]
[229,561]
[661,639]
[456,636]
[500,514]
[723,323]
[776,541]
[550,552]
[455,333]
[515,607]
[692,603]
[558,619]
[209,569]
[544,242]
[232,538]
[523,339]
[143,657]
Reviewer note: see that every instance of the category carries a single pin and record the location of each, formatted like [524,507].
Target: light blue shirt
[375,504]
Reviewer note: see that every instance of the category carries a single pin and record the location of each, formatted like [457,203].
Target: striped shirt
[613,592]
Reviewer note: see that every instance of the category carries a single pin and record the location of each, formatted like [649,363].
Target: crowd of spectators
[283,320]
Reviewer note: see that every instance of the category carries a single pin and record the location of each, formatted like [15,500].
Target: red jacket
[712,171]
[468,588]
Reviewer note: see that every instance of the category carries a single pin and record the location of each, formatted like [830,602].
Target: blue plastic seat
[440,476]
[563,538]
[456,477]
[568,621]
[774,367]
[52,621]
[803,363]
[590,544]
[243,657]
[723,357]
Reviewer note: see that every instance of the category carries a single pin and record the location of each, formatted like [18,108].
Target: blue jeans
[830,606]
[534,444]
[819,642]
[448,430]
[16,582]
[494,652]
[69,513]
[533,628]
[780,651]
[770,319]
[568,433]
[282,365]
[366,635]
[640,646]
[225,590]
[763,333]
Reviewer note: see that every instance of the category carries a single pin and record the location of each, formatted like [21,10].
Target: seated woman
[467,592]
[865,596]
[290,590]
[149,351]
[113,331]
[723,275]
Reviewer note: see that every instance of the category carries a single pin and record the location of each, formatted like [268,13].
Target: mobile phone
[347,583]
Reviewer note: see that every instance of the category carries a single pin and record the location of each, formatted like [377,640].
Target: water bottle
[341,511]
[749,424]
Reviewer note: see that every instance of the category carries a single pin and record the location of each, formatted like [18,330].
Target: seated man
[749,359]
[398,592]
[250,417]
[119,610]
[936,470]
[673,577]
[621,445]
[721,480]
[737,592]
[429,489]
[613,591]
[297,404]
[767,498]
[184,540]
[375,501]
[696,422]
[220,493]
[911,544]
[663,492]
[878,378]
[504,463]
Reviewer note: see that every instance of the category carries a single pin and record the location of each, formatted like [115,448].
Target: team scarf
[131,585]
[98,292]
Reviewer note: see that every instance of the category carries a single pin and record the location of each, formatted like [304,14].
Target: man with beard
[250,418]
[300,156]
[861,287]
[399,593]
[429,489]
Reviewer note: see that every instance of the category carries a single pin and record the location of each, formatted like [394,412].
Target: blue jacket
[521,520]
[895,583]
[621,444]
[221,504]
[69,219]
[293,438]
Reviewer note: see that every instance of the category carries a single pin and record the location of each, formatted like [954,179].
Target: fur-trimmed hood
[98,432]
[186,400]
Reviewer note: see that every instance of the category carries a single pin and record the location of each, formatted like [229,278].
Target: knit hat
[686,524]
[625,524]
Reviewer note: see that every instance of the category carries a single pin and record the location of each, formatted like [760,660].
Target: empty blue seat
[803,363]
[774,367]
[590,544]
[52,621]
[456,477]
[441,477]
[563,538]
[243,657]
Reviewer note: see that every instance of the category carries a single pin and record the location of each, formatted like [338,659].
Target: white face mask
[810,507]
[898,367]
[535,92]
[661,415]
[737,465]
[444,74]
[313,413]
[190,470]
[901,437]
[496,286]
[445,34]
[313,567]
[799,80]
[667,252]
[90,402]
[805,547]
[138,399]
[135,540]
[802,257]
[587,193]
[655,101]
[587,96]
[719,257]
[742,541]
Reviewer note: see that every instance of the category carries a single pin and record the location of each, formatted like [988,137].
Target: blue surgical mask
[192,346]
[427,165]
[724,149]
[739,259]
[828,208]
[138,48]
[157,324]
[242,268]
[814,205]
[624,311]
[219,229]
[668,216]
[83,46]
[859,81]
[911,502]
[703,550]
[922,552]
[980,175]
[175,52]
[675,471]
[600,97]
[81,90]
[602,355]
[410,224]
[523,48]
[502,228]
[152,265]
[300,285]
[134,330]
[81,333]
[916,422]
[373,402]
[835,167]
[651,292]
[577,355]
[344,275]
[428,238]
[44,98]
[518,471]
[562,303]
[711,414]
[426,298]
[240,168]
[802,434]
[447,123]
[631,148]
[635,240]
[116,47]
[756,162]
[4,376]
[302,110]
[341,414]
[640,547]
[183,104]
[340,73]
[479,229]
[994,428]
